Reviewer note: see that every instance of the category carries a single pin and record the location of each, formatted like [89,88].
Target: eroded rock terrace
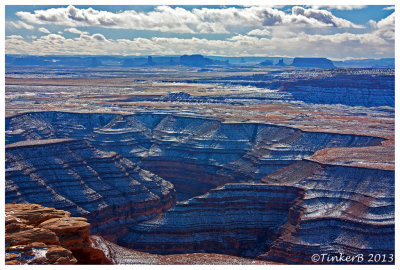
[122,171]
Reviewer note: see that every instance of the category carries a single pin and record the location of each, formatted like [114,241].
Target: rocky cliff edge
[35,234]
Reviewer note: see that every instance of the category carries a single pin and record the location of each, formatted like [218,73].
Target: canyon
[246,164]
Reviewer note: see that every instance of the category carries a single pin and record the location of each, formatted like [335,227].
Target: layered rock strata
[304,209]
[39,235]
[102,172]
[236,219]
[345,210]
[72,175]
[195,154]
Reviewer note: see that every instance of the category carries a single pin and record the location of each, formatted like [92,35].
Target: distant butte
[313,62]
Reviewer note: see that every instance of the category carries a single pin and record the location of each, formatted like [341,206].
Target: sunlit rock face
[40,235]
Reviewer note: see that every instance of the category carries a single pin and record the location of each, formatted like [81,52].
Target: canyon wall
[236,219]
[195,154]
[242,188]
[70,174]
[304,209]
[344,209]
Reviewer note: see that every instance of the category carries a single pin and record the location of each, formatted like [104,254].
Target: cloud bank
[179,20]
[250,31]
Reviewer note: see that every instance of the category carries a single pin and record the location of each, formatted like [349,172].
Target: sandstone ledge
[40,235]
[38,142]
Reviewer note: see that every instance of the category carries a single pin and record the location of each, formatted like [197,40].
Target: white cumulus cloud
[323,17]
[259,32]
[76,31]
[44,30]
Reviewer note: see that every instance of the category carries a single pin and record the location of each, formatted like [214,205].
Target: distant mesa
[312,62]
[267,63]
[195,60]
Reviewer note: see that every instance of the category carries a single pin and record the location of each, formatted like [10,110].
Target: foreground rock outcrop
[40,235]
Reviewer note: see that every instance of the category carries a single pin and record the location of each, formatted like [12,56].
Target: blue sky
[336,32]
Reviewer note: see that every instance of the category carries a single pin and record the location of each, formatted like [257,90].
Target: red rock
[11,256]
[13,262]
[32,235]
[59,255]
[48,237]
[17,227]
[37,245]
[33,213]
[61,226]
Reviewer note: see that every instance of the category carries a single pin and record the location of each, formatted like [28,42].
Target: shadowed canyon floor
[269,164]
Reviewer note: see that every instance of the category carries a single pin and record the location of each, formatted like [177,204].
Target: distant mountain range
[196,60]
